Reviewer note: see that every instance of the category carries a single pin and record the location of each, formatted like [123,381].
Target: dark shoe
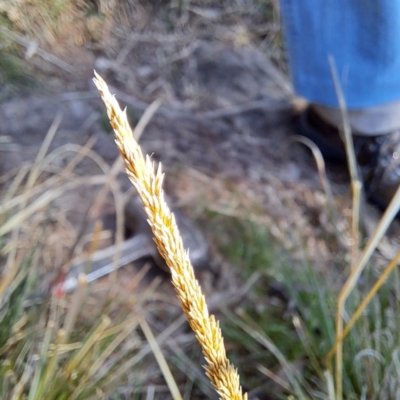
[378,156]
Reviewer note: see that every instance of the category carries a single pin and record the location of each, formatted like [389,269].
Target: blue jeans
[362,36]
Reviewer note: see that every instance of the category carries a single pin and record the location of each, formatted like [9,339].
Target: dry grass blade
[276,378]
[378,284]
[251,328]
[330,385]
[319,160]
[132,361]
[173,387]
[348,139]
[356,184]
[356,189]
[169,242]
[42,201]
[147,116]
[390,213]
[90,341]
[76,304]
[36,168]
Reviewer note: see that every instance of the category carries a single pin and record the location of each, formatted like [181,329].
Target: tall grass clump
[53,345]
[285,327]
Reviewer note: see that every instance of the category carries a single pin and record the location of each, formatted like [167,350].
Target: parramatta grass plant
[54,345]
[337,340]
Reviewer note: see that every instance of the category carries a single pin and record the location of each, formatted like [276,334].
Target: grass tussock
[286,326]
[88,344]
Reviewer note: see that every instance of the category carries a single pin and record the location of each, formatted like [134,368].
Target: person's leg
[361,36]
[370,121]
[363,39]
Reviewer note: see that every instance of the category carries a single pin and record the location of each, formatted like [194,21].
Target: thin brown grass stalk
[148,183]
[319,160]
[383,224]
[356,186]
[377,285]
[162,363]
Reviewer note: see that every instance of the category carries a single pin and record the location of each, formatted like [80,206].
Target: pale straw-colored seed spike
[148,184]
